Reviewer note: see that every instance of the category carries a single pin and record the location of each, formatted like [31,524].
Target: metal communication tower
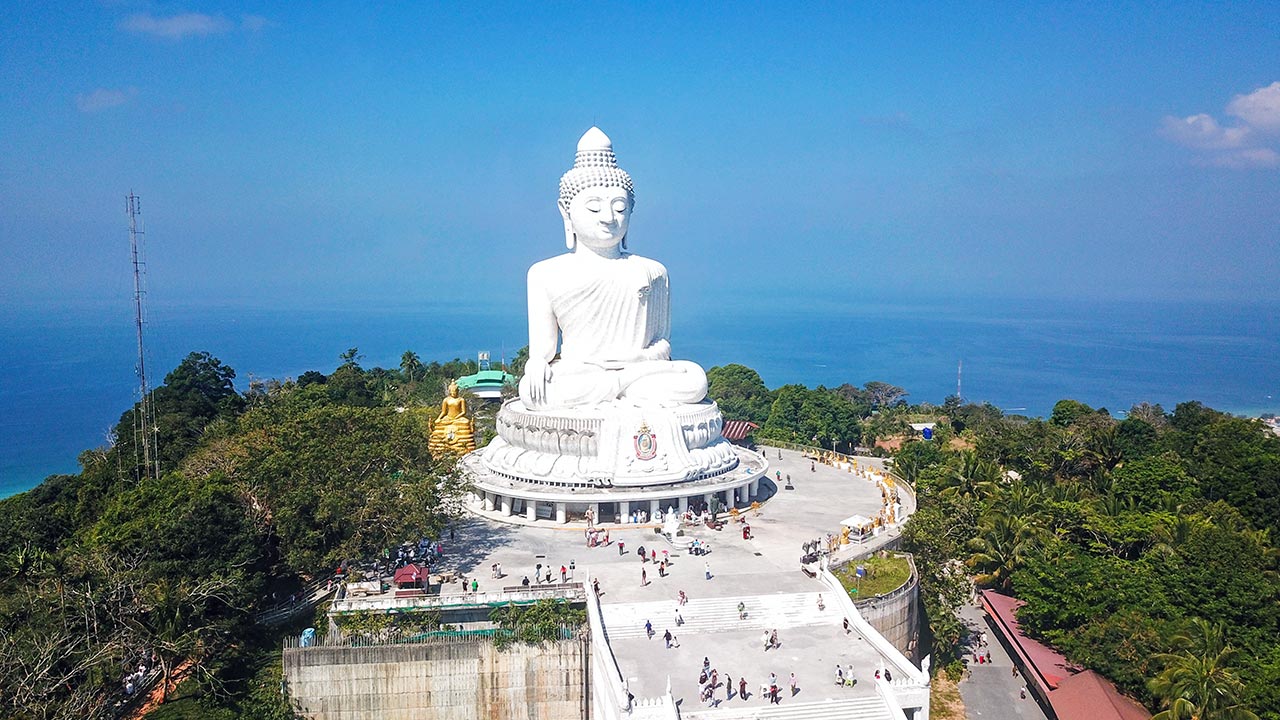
[146,433]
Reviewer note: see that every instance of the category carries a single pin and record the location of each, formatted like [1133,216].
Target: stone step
[714,615]
[865,708]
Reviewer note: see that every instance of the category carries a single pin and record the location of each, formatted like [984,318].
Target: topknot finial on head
[594,139]
[594,165]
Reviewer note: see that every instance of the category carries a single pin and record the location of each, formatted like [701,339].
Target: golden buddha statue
[453,431]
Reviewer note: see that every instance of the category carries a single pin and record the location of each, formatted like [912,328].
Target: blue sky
[311,155]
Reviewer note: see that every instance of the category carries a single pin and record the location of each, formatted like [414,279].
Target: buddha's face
[599,216]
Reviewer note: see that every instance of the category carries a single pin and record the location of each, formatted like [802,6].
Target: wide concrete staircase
[863,708]
[714,615]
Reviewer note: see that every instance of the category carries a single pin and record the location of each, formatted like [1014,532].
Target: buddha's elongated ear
[570,239]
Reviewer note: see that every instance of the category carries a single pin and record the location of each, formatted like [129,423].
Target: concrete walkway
[764,573]
[990,690]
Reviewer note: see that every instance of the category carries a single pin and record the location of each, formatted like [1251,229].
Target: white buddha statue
[601,401]
[607,309]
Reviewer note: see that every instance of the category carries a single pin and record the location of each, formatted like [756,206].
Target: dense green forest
[256,493]
[1143,546]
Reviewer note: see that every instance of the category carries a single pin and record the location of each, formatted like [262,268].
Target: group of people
[133,681]
[709,684]
[596,537]
[548,576]
[981,657]
[770,640]
[651,556]
[845,678]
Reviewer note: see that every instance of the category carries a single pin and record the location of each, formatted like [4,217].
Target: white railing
[906,671]
[617,702]
[388,601]
[890,698]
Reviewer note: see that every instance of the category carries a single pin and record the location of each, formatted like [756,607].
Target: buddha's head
[596,196]
[453,389]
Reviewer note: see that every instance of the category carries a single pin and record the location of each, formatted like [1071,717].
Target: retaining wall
[454,680]
[896,617]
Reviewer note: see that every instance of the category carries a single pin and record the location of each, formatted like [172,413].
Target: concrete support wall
[455,680]
[897,618]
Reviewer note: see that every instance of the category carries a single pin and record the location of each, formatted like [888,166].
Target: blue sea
[66,376]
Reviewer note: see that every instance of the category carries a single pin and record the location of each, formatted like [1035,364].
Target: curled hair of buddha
[594,165]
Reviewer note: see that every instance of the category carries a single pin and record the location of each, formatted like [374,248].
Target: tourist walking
[648,629]
[793,685]
[667,637]
[679,618]
[765,639]
[742,610]
[707,567]
[839,675]
[742,688]
[644,577]
[564,573]
[683,598]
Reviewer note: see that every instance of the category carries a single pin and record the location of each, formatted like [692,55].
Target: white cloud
[104,99]
[1259,109]
[1242,145]
[1202,132]
[1248,158]
[176,27]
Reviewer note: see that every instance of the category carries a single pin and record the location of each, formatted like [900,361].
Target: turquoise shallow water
[67,376]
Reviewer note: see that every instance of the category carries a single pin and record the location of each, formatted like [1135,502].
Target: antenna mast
[146,433]
[959,372]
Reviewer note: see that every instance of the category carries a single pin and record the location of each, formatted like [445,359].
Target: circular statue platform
[507,498]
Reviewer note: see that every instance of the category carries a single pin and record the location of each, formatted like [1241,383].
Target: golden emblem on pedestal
[452,432]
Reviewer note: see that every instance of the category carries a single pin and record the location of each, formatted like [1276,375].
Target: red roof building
[737,430]
[411,575]
[1069,691]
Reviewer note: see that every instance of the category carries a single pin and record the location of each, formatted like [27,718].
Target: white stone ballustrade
[909,688]
[388,601]
[610,699]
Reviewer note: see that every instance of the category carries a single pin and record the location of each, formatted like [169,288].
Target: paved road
[991,691]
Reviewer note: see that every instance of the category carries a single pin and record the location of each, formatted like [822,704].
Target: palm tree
[1004,544]
[1019,499]
[410,365]
[1197,683]
[974,477]
[1103,448]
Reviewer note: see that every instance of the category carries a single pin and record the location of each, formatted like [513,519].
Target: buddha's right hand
[538,374]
